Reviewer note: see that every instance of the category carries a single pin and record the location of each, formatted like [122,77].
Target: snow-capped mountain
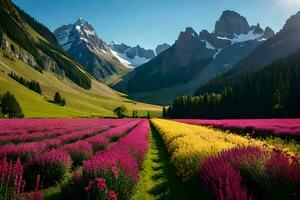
[195,59]
[81,41]
[131,56]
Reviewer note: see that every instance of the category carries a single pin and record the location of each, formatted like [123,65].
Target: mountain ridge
[80,40]
[193,60]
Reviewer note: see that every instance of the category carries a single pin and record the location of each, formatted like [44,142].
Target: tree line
[273,91]
[32,85]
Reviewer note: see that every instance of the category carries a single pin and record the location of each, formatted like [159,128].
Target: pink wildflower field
[38,153]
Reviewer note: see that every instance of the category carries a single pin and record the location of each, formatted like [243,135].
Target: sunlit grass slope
[100,100]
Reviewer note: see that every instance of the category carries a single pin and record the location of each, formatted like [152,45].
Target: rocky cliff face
[231,23]
[17,51]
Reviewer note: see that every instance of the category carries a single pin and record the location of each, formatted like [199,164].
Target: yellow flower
[190,144]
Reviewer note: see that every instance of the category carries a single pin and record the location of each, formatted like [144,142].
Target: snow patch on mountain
[130,62]
[251,35]
[208,45]
[122,60]
[246,37]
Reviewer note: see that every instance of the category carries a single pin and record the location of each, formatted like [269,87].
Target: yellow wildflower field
[189,144]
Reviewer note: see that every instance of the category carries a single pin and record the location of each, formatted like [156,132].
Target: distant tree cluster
[9,106]
[32,85]
[271,92]
[134,113]
[164,113]
[57,99]
[120,111]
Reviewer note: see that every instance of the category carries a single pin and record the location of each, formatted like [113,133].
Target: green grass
[100,100]
[158,179]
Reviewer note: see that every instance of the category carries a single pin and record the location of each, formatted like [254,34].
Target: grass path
[158,179]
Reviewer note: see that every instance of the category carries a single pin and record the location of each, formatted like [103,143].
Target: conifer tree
[57,98]
[63,102]
[148,114]
[10,106]
[164,112]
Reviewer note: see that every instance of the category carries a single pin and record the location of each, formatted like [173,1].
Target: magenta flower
[115,172]
[112,195]
[101,183]
[127,153]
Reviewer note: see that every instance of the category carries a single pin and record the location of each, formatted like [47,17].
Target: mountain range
[195,59]
[100,59]
[135,56]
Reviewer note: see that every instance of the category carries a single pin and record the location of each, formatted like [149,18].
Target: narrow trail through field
[158,179]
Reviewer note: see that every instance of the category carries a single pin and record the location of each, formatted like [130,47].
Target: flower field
[40,153]
[229,166]
[276,127]
[104,159]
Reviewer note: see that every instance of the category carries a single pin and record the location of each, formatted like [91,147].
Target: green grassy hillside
[100,100]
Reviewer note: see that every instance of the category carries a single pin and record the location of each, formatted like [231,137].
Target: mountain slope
[100,100]
[81,41]
[30,50]
[21,39]
[271,92]
[282,44]
[194,59]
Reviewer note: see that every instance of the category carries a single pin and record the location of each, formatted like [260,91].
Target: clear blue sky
[151,22]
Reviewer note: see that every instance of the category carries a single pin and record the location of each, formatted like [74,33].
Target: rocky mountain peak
[189,32]
[231,23]
[81,21]
[268,32]
[204,35]
[140,52]
[186,37]
[292,23]
[257,29]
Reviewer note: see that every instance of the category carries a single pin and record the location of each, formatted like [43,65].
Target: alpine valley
[113,112]
[71,66]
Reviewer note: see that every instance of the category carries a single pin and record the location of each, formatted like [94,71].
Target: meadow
[99,101]
[137,159]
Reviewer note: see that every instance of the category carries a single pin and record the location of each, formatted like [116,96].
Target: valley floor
[158,179]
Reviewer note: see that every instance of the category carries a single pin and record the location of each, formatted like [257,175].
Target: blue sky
[152,22]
